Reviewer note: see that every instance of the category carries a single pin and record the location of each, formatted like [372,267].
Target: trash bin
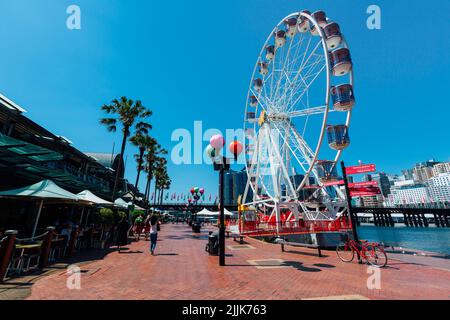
[196,227]
[212,247]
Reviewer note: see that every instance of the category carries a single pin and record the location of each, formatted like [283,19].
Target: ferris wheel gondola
[301,91]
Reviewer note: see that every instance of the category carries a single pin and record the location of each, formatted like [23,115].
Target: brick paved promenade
[183,270]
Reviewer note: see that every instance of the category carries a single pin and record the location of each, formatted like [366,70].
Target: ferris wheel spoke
[308,86]
[284,65]
[303,84]
[307,112]
[303,145]
[300,81]
[294,152]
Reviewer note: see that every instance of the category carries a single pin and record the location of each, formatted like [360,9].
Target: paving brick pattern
[183,270]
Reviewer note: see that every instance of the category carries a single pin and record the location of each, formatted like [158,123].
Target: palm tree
[165,185]
[142,141]
[160,172]
[152,158]
[126,112]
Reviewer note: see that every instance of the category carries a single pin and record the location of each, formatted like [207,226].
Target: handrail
[31,239]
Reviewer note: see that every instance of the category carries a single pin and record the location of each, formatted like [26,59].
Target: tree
[152,159]
[143,142]
[127,113]
[160,174]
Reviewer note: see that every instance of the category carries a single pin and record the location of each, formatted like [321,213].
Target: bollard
[6,250]
[72,242]
[46,247]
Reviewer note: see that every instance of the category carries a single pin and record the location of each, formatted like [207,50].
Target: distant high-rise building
[234,186]
[409,192]
[408,174]
[422,173]
[441,168]
[439,187]
[372,201]
[383,182]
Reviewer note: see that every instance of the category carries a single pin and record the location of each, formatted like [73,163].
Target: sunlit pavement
[257,270]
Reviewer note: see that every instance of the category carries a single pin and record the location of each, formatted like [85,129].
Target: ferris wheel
[301,91]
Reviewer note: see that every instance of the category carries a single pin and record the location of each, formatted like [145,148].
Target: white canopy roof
[136,207]
[121,203]
[45,189]
[206,212]
[92,198]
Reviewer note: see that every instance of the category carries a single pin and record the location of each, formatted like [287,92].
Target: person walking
[122,233]
[153,233]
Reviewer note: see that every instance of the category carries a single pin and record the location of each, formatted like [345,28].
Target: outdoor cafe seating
[25,257]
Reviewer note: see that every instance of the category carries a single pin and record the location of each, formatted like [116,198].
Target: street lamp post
[197,193]
[222,164]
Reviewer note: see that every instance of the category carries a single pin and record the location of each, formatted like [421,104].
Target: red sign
[364,191]
[365,168]
[363,184]
[363,194]
[333,183]
[352,185]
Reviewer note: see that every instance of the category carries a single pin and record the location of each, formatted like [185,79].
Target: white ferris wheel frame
[274,200]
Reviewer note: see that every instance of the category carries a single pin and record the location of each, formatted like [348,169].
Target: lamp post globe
[236,148]
[217,142]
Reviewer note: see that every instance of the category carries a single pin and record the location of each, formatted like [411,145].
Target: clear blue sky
[192,60]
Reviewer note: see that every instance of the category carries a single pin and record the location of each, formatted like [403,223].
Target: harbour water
[426,239]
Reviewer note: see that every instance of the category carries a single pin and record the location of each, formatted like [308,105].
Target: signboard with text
[352,185]
[364,168]
[363,184]
[364,191]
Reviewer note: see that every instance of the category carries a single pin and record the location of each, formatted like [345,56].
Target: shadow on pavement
[324,265]
[310,254]
[299,266]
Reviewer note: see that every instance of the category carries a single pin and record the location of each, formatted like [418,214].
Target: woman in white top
[153,233]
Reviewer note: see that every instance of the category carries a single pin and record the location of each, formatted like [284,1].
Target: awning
[17,151]
[121,203]
[136,207]
[87,195]
[206,212]
[45,189]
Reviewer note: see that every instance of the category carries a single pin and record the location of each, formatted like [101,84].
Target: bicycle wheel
[345,252]
[376,256]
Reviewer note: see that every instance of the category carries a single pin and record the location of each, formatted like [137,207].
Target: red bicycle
[372,252]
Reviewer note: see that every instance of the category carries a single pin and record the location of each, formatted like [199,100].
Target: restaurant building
[29,153]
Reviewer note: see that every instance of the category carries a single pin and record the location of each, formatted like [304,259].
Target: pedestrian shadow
[132,252]
[175,238]
[324,265]
[299,266]
[305,253]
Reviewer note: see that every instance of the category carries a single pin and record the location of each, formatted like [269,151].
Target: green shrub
[106,216]
[137,213]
